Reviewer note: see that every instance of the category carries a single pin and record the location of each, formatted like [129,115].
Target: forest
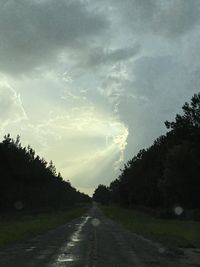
[167,173]
[29,183]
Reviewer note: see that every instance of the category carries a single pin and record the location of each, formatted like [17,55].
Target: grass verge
[177,233]
[27,226]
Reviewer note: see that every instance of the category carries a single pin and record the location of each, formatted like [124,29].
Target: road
[90,241]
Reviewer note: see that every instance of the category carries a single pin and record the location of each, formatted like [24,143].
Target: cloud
[100,56]
[33,33]
[85,131]
[165,78]
[154,92]
[113,85]
[83,142]
[11,108]
[170,18]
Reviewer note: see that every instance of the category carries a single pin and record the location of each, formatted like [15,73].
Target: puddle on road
[68,254]
[30,248]
[64,258]
[71,244]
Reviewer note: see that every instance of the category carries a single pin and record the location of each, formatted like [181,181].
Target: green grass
[26,226]
[171,232]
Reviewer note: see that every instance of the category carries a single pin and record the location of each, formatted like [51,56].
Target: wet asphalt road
[89,242]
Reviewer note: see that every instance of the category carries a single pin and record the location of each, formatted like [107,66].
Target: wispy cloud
[11,107]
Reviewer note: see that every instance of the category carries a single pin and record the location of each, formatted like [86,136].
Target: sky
[89,83]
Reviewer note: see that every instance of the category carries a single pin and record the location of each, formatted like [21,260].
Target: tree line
[165,174]
[29,182]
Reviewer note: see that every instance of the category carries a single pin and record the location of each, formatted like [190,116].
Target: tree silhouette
[102,195]
[166,173]
[30,180]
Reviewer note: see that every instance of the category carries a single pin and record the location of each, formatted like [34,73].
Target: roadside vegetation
[172,232]
[166,174]
[29,182]
[34,197]
[18,227]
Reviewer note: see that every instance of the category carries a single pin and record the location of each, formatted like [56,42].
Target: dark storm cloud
[35,32]
[160,86]
[100,56]
[169,18]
